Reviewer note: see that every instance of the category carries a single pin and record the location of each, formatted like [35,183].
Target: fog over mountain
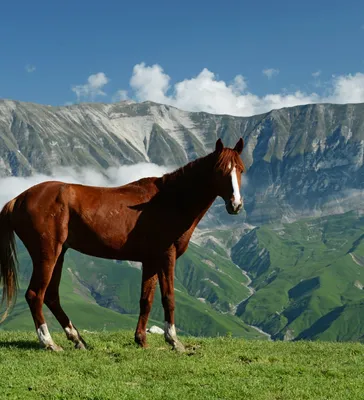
[302,279]
[304,160]
[11,186]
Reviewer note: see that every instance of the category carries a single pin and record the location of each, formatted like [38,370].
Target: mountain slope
[301,161]
[308,278]
[103,294]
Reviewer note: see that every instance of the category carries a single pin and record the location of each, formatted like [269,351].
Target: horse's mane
[173,176]
[225,158]
[213,161]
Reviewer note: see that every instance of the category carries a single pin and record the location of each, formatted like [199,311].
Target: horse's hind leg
[149,282]
[53,303]
[43,265]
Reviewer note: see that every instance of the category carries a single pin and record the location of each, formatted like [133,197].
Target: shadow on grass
[19,344]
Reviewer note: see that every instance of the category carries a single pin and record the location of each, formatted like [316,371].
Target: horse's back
[77,196]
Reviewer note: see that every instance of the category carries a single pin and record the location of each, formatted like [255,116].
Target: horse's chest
[182,244]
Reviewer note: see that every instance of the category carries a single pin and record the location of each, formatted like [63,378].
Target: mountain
[298,242]
[301,161]
[308,278]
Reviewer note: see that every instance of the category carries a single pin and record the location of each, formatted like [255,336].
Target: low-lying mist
[11,187]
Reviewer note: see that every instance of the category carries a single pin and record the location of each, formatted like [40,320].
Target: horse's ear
[219,146]
[239,146]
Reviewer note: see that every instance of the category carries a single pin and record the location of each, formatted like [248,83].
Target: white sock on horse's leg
[171,336]
[45,338]
[73,334]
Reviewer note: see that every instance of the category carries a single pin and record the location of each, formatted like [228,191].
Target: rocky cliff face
[301,161]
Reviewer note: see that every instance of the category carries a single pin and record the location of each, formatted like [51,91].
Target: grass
[219,368]
[308,284]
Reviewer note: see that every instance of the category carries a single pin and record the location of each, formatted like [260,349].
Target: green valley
[307,278]
[104,295]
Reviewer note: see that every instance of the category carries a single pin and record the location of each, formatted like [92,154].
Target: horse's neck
[192,175]
[192,187]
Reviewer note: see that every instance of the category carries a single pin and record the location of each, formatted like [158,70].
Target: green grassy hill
[218,368]
[100,294]
[308,278]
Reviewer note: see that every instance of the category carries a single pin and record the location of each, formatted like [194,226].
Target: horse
[150,220]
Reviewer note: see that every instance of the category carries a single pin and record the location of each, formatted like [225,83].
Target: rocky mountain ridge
[301,161]
[305,160]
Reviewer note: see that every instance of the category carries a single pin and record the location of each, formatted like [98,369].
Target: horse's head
[229,168]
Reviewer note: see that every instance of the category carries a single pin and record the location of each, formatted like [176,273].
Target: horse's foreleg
[149,281]
[166,282]
[53,303]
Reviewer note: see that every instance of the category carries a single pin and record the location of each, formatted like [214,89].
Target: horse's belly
[106,239]
[98,248]
[130,235]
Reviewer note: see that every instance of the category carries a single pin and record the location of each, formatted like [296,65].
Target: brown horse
[150,220]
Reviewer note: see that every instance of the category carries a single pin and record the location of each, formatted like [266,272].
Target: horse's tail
[8,259]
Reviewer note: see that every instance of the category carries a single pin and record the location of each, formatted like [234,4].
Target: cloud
[120,95]
[149,83]
[205,92]
[92,88]
[11,187]
[347,89]
[316,74]
[270,72]
[30,68]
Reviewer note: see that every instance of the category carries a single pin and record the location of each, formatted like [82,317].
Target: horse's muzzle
[232,208]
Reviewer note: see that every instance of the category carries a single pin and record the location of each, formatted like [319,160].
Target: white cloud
[316,74]
[205,92]
[149,82]
[239,84]
[347,89]
[120,95]
[270,72]
[92,88]
[30,68]
[11,187]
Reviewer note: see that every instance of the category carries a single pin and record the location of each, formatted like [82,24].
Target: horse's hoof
[53,347]
[80,346]
[178,346]
[142,345]
[141,340]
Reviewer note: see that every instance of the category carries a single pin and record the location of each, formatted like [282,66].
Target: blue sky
[48,47]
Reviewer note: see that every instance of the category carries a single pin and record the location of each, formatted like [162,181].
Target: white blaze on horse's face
[237,202]
[234,203]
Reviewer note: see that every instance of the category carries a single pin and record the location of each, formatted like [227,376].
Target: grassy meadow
[211,368]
